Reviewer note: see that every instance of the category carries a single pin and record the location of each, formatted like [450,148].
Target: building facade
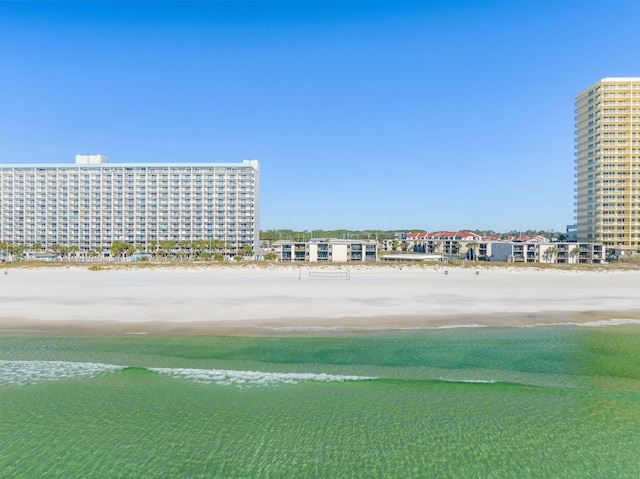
[92,203]
[607,163]
[326,251]
[535,252]
[423,246]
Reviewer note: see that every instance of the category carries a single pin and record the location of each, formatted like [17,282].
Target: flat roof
[125,165]
[606,79]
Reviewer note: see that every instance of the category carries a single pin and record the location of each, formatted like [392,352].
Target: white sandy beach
[279,297]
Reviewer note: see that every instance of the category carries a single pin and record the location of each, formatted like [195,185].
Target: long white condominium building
[91,203]
[607,163]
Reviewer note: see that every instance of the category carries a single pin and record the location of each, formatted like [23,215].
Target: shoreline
[305,327]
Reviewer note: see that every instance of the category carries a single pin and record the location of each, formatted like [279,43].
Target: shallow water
[549,401]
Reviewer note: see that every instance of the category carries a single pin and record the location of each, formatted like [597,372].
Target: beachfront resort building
[607,163]
[326,251]
[92,203]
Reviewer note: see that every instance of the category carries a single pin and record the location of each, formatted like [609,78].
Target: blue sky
[363,114]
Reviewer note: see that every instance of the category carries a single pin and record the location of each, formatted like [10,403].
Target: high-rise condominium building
[607,163]
[92,203]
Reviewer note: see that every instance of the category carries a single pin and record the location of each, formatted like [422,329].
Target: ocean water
[560,401]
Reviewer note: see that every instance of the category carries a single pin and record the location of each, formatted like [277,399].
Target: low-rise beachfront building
[326,250]
[471,246]
[442,242]
[92,203]
[547,252]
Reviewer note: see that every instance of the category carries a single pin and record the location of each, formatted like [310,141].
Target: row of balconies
[128,198]
[18,181]
[14,182]
[141,236]
[118,171]
[150,207]
[37,213]
[244,197]
[117,219]
[106,176]
[131,226]
[137,227]
[130,206]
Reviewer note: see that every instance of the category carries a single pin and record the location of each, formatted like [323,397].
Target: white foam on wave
[471,381]
[21,373]
[26,331]
[611,322]
[592,324]
[456,326]
[295,329]
[247,379]
[303,329]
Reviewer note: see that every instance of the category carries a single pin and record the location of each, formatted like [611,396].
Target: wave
[22,373]
[471,381]
[26,331]
[611,322]
[592,324]
[313,329]
[247,379]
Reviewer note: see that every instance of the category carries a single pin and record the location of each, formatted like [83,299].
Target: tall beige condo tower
[607,163]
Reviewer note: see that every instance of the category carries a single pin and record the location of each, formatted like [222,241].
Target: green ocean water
[540,402]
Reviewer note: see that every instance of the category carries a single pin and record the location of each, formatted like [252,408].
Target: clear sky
[363,114]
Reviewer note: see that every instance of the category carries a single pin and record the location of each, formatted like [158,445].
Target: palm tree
[551,253]
[121,248]
[167,247]
[18,250]
[154,247]
[473,248]
[245,250]
[575,252]
[198,247]
[56,249]
[73,250]
[220,247]
[184,247]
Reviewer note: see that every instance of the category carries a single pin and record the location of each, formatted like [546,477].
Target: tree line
[166,250]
